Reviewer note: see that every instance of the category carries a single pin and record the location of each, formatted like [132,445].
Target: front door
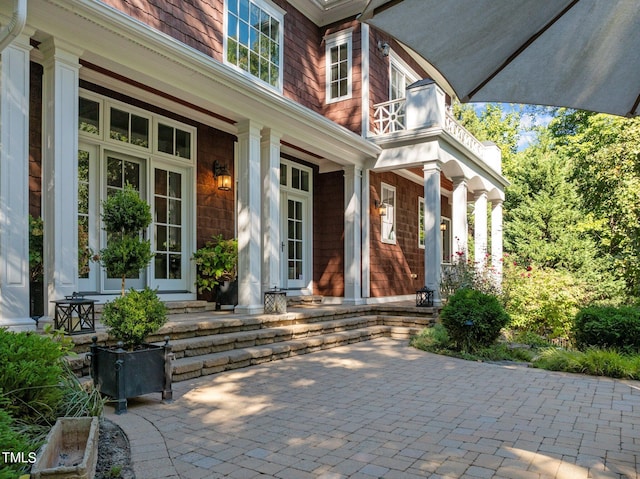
[122,170]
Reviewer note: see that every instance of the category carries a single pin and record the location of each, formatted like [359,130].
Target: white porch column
[459,221]
[60,169]
[271,253]
[366,234]
[496,236]
[249,219]
[352,235]
[14,185]
[432,233]
[480,227]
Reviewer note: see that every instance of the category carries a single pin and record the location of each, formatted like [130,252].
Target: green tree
[604,152]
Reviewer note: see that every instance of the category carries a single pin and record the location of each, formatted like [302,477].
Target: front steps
[206,343]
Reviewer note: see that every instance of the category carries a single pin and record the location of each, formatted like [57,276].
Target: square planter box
[70,450]
[123,374]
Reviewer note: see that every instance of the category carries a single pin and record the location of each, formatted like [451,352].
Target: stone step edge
[278,350]
[193,367]
[203,328]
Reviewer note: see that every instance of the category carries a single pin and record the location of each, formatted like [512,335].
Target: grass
[596,362]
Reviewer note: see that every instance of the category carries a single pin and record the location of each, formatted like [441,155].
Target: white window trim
[391,214]
[335,40]
[447,232]
[273,10]
[421,209]
[396,62]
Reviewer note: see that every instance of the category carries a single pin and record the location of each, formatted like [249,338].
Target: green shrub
[543,301]
[30,375]
[597,362]
[434,339]
[12,441]
[217,261]
[131,318]
[608,327]
[473,319]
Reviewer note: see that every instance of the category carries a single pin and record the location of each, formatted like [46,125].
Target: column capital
[60,51]
[249,127]
[497,201]
[270,135]
[431,166]
[477,194]
[458,180]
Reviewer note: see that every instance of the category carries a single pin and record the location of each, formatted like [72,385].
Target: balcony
[424,109]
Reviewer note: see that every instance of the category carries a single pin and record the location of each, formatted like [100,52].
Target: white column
[249,219]
[271,251]
[480,228]
[496,236]
[352,235]
[459,221]
[432,233]
[366,234]
[60,168]
[14,185]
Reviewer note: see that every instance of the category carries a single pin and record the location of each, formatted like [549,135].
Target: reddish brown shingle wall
[328,234]
[215,208]
[35,139]
[393,264]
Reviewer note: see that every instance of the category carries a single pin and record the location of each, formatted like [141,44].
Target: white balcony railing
[389,117]
[461,134]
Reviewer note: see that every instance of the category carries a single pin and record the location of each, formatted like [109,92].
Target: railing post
[425,105]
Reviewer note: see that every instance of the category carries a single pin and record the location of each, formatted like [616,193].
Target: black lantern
[222,176]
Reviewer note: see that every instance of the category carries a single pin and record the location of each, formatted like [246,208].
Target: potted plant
[132,368]
[217,263]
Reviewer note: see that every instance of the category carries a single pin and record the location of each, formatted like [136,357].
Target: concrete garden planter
[70,450]
[123,374]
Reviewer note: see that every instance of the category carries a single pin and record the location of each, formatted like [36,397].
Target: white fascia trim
[345,145]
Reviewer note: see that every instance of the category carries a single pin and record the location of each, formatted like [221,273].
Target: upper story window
[254,39]
[400,77]
[338,58]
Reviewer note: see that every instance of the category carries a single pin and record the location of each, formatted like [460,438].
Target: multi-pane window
[338,55]
[445,228]
[254,39]
[400,77]
[296,178]
[128,127]
[167,197]
[84,266]
[388,229]
[174,141]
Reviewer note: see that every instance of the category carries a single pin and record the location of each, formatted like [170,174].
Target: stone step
[192,367]
[218,340]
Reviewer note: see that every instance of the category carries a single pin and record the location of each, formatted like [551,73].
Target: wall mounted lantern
[381,207]
[384,48]
[443,226]
[222,176]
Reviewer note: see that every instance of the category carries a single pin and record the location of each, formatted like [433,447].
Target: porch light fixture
[222,175]
[443,226]
[384,48]
[381,207]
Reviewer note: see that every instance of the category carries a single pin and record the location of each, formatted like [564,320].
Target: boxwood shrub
[473,319]
[608,327]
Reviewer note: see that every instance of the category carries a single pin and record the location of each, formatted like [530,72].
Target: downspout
[15,26]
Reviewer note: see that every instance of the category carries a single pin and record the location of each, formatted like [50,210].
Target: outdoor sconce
[382,208]
[222,175]
[443,226]
[384,48]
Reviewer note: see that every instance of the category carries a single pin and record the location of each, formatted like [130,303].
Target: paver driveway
[381,409]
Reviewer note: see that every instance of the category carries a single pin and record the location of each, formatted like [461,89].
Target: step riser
[183,372]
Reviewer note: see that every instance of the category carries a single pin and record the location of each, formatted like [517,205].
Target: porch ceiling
[122,45]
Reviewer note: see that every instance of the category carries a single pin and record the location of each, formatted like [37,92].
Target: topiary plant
[131,318]
[473,319]
[125,216]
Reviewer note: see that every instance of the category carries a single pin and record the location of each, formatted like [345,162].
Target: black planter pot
[123,374]
[226,293]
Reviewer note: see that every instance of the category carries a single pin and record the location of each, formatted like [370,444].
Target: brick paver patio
[381,409]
